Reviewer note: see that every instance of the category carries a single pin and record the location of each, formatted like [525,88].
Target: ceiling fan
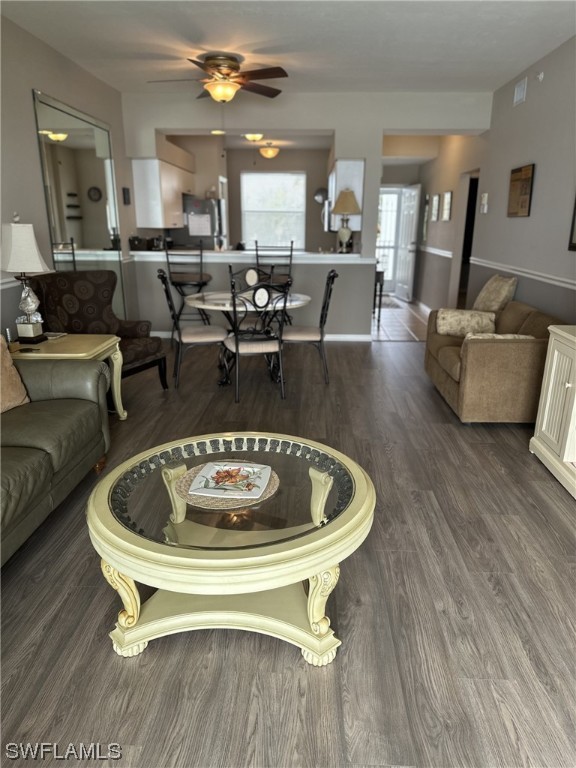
[226,78]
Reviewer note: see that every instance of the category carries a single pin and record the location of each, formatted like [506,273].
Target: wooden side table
[80,346]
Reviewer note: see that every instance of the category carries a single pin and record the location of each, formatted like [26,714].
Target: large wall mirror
[78,173]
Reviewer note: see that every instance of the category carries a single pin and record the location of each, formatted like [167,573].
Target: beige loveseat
[491,377]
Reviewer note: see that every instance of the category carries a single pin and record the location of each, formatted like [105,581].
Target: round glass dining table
[242,530]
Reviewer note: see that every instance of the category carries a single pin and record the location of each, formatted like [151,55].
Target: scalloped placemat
[211,502]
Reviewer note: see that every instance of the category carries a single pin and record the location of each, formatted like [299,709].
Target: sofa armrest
[434,340]
[133,329]
[68,379]
[500,379]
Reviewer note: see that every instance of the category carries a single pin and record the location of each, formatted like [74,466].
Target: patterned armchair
[81,302]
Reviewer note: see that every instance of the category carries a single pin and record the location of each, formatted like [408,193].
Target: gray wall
[542,130]
[27,64]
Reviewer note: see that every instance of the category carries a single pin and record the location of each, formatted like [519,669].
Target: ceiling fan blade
[261,90]
[203,95]
[200,64]
[264,74]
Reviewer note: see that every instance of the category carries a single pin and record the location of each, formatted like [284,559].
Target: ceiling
[326,46]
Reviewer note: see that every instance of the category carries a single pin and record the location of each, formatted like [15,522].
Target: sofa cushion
[26,475]
[497,292]
[512,316]
[537,324]
[459,322]
[61,428]
[12,390]
[449,359]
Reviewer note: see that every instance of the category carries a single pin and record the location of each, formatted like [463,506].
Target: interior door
[407,229]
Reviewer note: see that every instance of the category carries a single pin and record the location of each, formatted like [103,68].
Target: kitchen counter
[248,257]
[350,317]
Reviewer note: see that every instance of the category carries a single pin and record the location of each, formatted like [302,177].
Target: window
[273,208]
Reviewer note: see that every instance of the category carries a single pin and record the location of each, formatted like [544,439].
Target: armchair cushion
[497,292]
[498,336]
[459,322]
[12,391]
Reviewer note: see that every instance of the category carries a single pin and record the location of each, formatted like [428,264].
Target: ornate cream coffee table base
[287,613]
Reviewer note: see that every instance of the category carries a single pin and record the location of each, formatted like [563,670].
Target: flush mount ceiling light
[254,136]
[54,136]
[269,151]
[222,90]
[218,132]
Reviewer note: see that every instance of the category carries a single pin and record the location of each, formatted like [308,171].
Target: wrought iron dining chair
[186,336]
[258,317]
[312,334]
[64,255]
[276,260]
[187,276]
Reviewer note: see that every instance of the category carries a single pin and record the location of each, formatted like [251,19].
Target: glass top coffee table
[238,530]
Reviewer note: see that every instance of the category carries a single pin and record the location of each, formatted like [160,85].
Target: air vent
[520,91]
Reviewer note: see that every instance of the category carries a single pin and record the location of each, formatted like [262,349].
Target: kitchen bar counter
[350,314]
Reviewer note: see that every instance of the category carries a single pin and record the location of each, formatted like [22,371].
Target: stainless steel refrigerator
[203,222]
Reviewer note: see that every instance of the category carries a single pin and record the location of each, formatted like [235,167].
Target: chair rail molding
[436,251]
[542,277]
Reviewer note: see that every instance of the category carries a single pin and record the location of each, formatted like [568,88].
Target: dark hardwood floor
[456,615]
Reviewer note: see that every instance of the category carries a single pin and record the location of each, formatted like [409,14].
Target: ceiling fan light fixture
[222,90]
[254,136]
[269,151]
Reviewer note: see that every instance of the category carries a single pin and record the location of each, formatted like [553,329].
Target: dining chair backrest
[163,277]
[258,308]
[332,275]
[187,268]
[275,259]
[64,255]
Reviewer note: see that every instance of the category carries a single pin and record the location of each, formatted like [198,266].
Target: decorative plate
[95,194]
[232,480]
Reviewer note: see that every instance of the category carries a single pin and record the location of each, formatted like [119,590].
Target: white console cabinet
[554,441]
[158,190]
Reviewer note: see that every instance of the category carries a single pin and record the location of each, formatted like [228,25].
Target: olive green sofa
[49,444]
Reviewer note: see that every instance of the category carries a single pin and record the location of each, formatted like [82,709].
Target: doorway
[467,241]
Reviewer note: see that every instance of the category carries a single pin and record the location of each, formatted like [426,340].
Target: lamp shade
[20,251]
[222,90]
[269,152]
[346,204]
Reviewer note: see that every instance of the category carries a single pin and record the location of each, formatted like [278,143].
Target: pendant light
[269,151]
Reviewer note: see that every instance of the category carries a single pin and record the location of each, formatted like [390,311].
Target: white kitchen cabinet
[158,190]
[554,441]
[346,174]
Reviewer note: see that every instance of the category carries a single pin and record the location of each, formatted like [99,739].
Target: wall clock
[95,194]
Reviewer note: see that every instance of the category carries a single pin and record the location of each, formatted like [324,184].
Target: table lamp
[346,205]
[20,254]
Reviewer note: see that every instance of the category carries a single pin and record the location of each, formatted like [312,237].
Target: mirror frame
[41,98]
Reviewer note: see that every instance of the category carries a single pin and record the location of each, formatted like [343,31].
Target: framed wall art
[446,206]
[520,192]
[572,242]
[435,210]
